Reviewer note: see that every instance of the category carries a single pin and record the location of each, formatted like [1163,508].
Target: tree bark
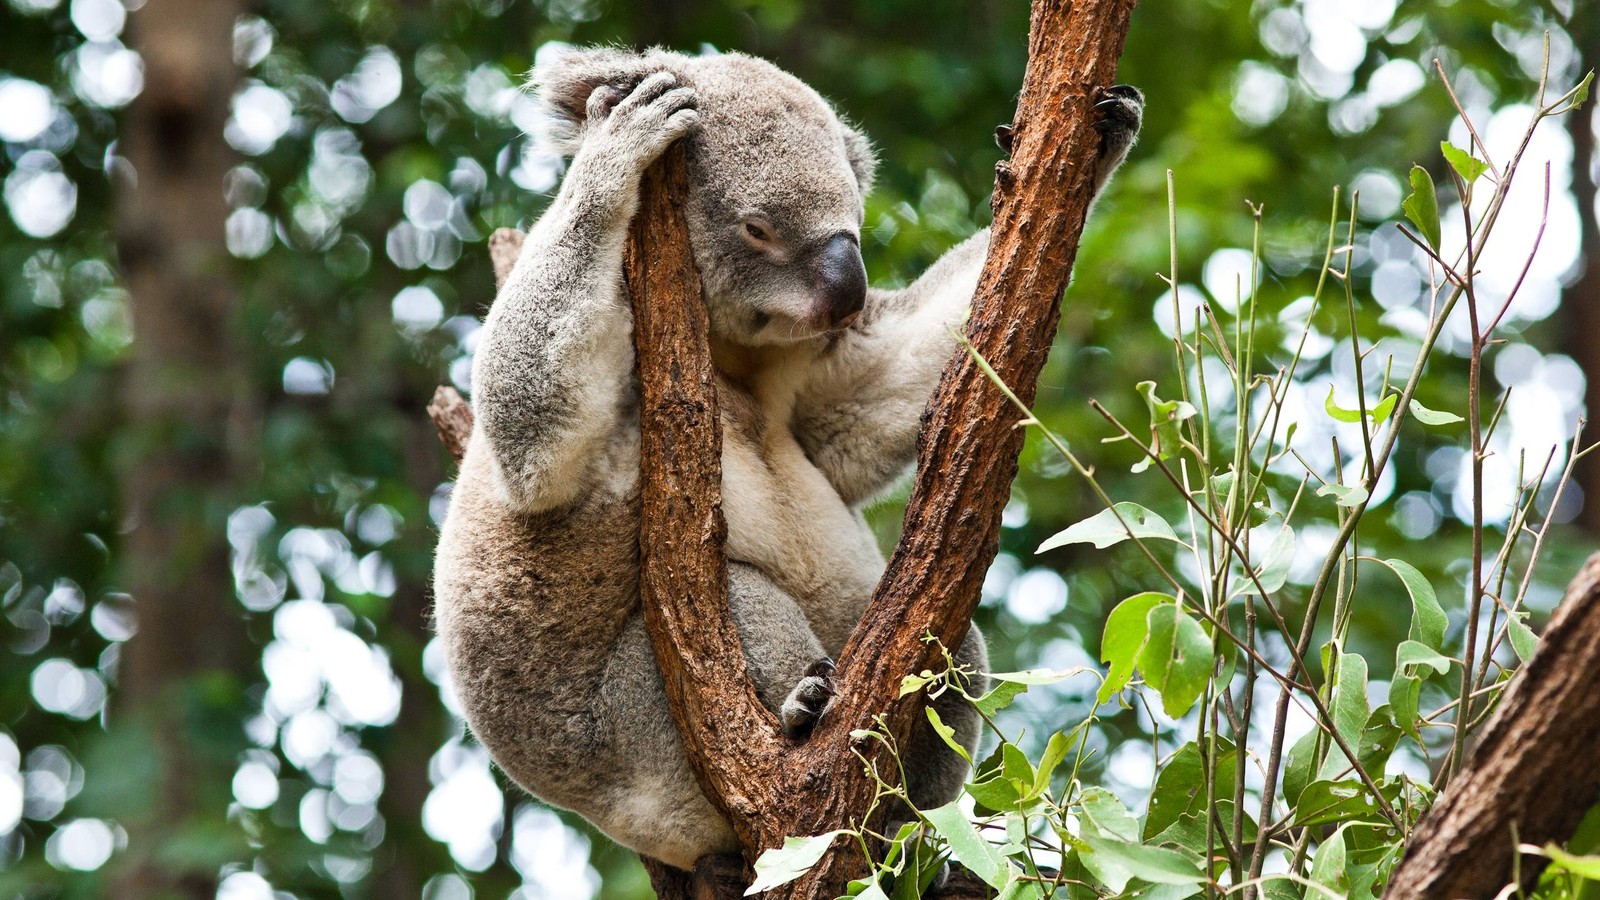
[1532,776]
[1580,302]
[188,403]
[769,787]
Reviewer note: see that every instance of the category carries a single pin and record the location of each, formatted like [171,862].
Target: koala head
[777,181]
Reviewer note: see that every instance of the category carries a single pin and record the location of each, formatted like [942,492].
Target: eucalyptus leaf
[968,846]
[1347,800]
[1349,708]
[1466,165]
[1523,641]
[1580,95]
[1412,656]
[1106,812]
[1279,558]
[1422,206]
[1165,415]
[1432,416]
[1328,866]
[1157,865]
[1104,529]
[1428,619]
[1125,633]
[946,733]
[1338,412]
[1176,659]
[1346,495]
[781,865]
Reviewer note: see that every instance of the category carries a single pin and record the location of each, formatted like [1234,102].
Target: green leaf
[1432,416]
[1378,739]
[1054,752]
[946,733]
[1176,659]
[1338,412]
[1583,866]
[1280,555]
[1580,95]
[1164,418]
[1328,866]
[1157,865]
[1405,692]
[1297,772]
[968,846]
[1350,710]
[1428,620]
[1180,787]
[913,683]
[1523,640]
[1034,677]
[1466,165]
[1422,207]
[782,865]
[1106,812]
[1103,529]
[1378,413]
[1411,656]
[1000,697]
[1126,630]
[1325,802]
[996,793]
[1346,495]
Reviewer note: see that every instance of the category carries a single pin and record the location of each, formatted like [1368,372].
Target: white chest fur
[785,518]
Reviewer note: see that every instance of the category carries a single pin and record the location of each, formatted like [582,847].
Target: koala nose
[841,282]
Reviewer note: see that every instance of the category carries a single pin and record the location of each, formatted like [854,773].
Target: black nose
[841,282]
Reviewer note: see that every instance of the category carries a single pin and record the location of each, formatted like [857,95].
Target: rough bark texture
[187,401]
[1533,768]
[769,787]
[732,740]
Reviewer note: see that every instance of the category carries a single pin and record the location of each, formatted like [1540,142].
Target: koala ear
[563,79]
[863,161]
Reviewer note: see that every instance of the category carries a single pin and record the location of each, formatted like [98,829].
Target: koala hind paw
[809,701]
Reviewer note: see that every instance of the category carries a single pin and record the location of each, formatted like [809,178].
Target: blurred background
[243,240]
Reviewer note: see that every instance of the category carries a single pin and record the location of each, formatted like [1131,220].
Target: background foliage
[379,142]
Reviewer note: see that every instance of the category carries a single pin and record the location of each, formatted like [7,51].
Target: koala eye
[756,232]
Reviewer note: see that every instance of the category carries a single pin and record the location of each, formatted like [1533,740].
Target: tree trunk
[1580,302]
[187,403]
[1532,776]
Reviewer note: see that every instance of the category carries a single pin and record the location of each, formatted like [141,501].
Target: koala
[822,383]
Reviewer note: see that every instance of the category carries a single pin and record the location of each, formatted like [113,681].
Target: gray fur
[537,571]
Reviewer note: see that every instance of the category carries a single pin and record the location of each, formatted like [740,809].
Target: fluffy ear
[563,79]
[863,161]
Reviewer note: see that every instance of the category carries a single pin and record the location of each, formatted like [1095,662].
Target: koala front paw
[639,125]
[1117,115]
[808,702]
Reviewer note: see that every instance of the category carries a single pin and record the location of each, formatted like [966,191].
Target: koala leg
[652,802]
[934,772]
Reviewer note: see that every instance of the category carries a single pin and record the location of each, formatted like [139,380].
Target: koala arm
[857,416]
[551,376]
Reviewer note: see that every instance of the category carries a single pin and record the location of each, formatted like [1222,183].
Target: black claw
[1005,135]
[822,667]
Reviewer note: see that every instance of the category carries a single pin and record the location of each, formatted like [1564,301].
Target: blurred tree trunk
[191,423]
[409,856]
[1581,301]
